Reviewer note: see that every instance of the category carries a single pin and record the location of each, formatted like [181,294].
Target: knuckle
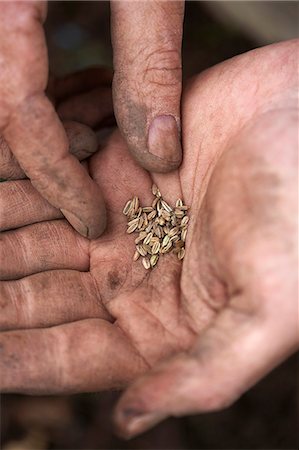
[163,68]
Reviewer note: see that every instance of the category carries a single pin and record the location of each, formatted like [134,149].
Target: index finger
[39,142]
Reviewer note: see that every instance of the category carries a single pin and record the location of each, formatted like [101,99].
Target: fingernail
[135,422]
[75,222]
[164,139]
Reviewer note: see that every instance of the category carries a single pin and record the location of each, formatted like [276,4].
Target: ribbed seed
[146,263]
[167,247]
[127,207]
[179,214]
[154,260]
[183,234]
[147,248]
[166,240]
[140,223]
[184,221]
[141,250]
[156,248]
[151,215]
[147,209]
[173,231]
[132,227]
[155,201]
[181,253]
[136,255]
[148,238]
[166,206]
[141,236]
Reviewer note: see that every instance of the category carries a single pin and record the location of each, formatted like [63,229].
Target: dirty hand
[80,315]
[147,84]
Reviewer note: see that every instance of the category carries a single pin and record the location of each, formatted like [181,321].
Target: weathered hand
[30,125]
[147,84]
[79,315]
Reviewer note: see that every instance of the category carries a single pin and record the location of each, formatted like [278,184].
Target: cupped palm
[86,317]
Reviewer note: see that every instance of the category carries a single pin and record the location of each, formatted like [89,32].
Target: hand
[80,316]
[147,63]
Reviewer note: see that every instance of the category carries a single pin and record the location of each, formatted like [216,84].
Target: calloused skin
[147,83]
[79,315]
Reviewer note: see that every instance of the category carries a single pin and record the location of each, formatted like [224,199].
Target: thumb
[146,38]
[228,359]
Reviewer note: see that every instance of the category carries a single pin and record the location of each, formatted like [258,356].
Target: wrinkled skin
[203,332]
[147,83]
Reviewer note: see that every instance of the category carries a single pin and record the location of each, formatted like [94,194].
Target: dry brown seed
[179,213]
[147,209]
[127,207]
[184,221]
[184,207]
[165,241]
[155,201]
[158,232]
[166,206]
[179,244]
[159,207]
[156,248]
[173,221]
[151,215]
[184,234]
[154,260]
[161,221]
[154,189]
[173,231]
[133,221]
[139,212]
[135,204]
[145,221]
[149,227]
[136,255]
[132,227]
[141,236]
[155,239]
[146,263]
[141,250]
[140,222]
[179,202]
[181,253]
[148,238]
[147,248]
[165,214]
[167,248]
[174,238]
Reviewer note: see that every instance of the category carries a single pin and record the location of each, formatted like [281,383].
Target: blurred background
[78,36]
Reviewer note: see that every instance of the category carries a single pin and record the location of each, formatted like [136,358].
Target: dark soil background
[266,417]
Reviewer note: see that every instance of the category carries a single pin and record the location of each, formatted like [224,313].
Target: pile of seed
[162,229]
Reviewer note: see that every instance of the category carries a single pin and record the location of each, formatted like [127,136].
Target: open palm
[80,315]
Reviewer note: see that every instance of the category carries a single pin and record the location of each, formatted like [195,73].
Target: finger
[83,356]
[42,246]
[21,204]
[49,298]
[227,360]
[9,167]
[53,171]
[82,144]
[93,108]
[76,83]
[146,38]
[31,126]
